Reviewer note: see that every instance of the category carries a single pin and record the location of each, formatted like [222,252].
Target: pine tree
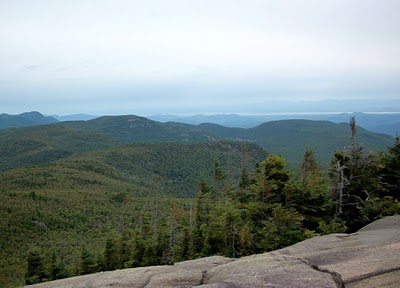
[36,270]
[354,181]
[391,171]
[308,167]
[111,255]
[88,262]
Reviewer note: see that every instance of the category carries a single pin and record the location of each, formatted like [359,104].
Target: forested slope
[136,129]
[83,200]
[106,205]
[289,138]
[21,147]
[24,120]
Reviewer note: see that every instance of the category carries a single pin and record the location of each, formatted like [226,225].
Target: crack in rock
[373,274]
[203,277]
[337,277]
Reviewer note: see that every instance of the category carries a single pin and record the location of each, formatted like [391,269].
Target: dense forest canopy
[148,204]
[38,145]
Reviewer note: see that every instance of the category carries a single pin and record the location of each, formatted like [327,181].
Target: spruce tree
[36,270]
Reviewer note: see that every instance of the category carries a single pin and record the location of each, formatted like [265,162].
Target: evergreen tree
[36,269]
[58,268]
[148,241]
[244,179]
[111,255]
[200,240]
[390,171]
[218,174]
[355,180]
[275,178]
[308,167]
[88,262]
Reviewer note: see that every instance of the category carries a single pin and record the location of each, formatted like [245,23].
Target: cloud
[196,53]
[31,67]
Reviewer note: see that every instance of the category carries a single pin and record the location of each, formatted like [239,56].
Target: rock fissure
[203,277]
[148,279]
[373,274]
[337,278]
[335,275]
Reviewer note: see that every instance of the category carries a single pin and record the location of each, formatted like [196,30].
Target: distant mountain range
[35,118]
[39,145]
[387,123]
[24,120]
[75,117]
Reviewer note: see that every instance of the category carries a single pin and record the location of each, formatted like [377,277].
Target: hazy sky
[195,56]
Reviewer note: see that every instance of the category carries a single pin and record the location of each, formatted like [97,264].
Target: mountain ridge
[387,123]
[25,119]
[288,138]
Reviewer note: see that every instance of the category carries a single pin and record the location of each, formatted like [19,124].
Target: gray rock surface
[371,252]
[368,258]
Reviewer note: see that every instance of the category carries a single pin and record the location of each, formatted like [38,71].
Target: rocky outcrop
[368,258]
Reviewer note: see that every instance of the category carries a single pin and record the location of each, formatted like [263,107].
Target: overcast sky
[198,56]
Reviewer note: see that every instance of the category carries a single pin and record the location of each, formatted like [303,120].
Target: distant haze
[187,57]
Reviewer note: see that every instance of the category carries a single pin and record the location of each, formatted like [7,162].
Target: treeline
[269,209]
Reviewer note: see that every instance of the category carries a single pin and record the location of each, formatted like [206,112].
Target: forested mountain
[228,120]
[83,200]
[114,208]
[387,123]
[75,117]
[176,168]
[118,192]
[136,129]
[36,145]
[289,138]
[25,119]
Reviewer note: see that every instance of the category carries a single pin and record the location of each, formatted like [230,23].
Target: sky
[199,56]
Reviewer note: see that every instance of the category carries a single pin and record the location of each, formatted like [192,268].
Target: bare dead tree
[341,182]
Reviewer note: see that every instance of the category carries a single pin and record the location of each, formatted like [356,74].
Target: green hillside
[63,206]
[137,202]
[36,145]
[290,138]
[135,129]
[139,169]
[24,120]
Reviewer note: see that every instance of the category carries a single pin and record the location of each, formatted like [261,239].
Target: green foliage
[36,271]
[289,138]
[390,170]
[44,144]
[134,129]
[112,257]
[154,204]
[89,262]
[356,180]
[334,225]
[139,169]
